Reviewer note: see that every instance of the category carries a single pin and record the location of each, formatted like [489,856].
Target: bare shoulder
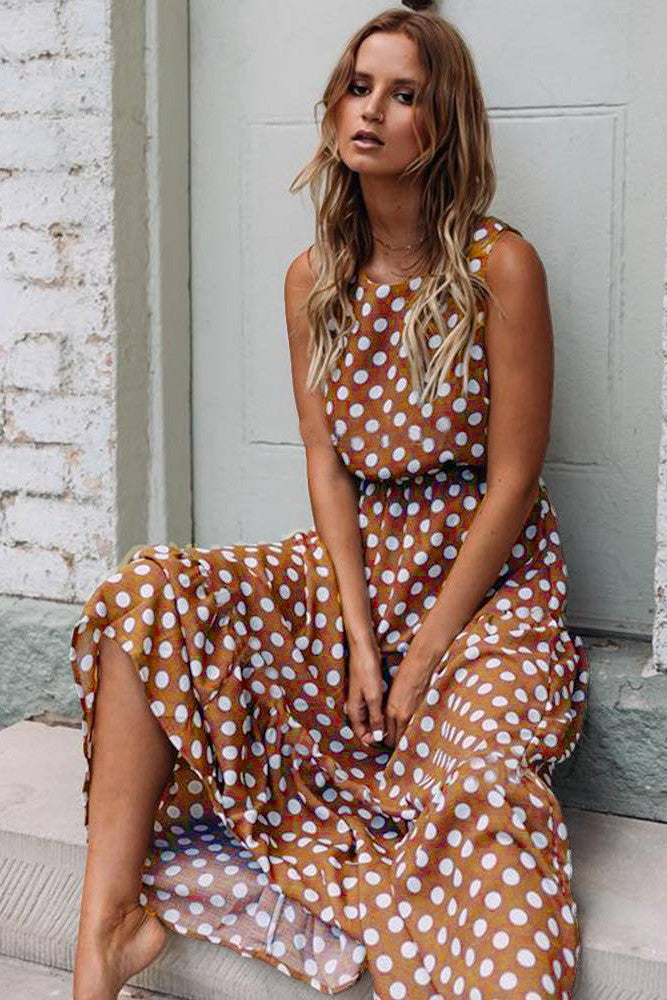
[514,263]
[300,275]
[519,312]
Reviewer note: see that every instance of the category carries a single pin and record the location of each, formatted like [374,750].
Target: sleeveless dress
[442,865]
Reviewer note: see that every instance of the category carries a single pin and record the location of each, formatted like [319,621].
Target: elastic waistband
[443,473]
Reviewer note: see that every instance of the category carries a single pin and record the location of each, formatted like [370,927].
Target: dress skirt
[443,864]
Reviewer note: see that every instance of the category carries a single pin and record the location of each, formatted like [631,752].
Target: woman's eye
[399,93]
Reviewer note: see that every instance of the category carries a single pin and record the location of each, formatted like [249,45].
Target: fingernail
[378,734]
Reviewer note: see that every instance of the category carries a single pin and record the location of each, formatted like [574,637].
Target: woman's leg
[132,760]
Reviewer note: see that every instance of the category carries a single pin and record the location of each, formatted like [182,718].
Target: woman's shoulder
[302,271]
[486,236]
[489,227]
[510,262]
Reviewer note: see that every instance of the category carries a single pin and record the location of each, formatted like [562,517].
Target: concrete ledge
[619,763]
[35,674]
[619,883]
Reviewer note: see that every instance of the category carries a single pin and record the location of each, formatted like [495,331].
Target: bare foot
[107,958]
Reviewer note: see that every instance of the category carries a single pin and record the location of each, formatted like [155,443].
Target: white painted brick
[58,86]
[89,258]
[34,363]
[40,198]
[76,311]
[28,30]
[32,143]
[67,525]
[91,473]
[88,575]
[57,430]
[63,419]
[31,256]
[34,572]
[32,469]
[89,367]
[86,24]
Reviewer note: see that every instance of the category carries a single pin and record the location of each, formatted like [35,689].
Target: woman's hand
[363,704]
[408,687]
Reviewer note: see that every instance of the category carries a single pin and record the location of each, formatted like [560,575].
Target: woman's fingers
[363,707]
[367,724]
[396,726]
[377,723]
[392,729]
[356,715]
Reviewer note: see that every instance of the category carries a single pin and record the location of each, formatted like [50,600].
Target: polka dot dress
[442,865]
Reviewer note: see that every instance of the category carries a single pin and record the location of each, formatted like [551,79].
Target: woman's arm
[333,493]
[519,347]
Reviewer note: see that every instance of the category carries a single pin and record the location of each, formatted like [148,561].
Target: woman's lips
[367,143]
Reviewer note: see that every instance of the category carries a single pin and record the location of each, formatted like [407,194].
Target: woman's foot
[109,954]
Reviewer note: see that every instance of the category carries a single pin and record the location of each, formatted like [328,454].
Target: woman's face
[382,97]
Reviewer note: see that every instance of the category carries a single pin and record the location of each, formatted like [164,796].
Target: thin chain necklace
[408,246]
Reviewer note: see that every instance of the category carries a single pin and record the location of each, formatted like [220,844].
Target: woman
[336,750]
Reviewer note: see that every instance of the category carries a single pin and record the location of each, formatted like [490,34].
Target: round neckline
[390,284]
[486,220]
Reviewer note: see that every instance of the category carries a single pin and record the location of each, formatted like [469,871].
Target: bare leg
[131,762]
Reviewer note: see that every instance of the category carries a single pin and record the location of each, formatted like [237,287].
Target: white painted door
[577,99]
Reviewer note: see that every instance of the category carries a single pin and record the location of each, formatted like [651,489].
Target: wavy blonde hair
[458,182]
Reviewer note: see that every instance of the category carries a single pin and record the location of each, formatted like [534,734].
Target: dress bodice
[377,424]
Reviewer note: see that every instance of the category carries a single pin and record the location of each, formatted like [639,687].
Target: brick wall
[57,423]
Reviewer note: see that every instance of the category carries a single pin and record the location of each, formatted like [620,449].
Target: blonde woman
[335,751]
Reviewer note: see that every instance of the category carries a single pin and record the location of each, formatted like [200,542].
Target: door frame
[151,95]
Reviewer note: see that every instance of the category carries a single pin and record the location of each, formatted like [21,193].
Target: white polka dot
[508,981]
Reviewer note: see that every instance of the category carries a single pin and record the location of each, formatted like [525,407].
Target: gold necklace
[408,246]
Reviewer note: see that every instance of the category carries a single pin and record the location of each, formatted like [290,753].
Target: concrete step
[26,981]
[619,883]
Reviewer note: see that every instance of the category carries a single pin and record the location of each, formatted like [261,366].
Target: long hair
[457,182]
